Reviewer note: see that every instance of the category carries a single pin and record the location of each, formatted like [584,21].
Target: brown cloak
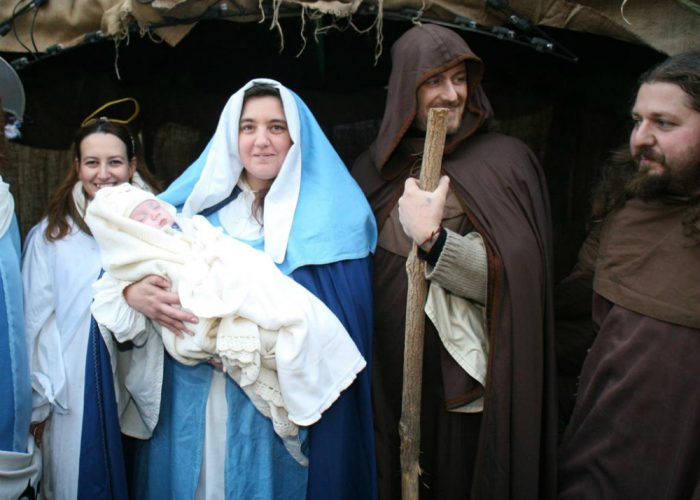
[508,452]
[635,429]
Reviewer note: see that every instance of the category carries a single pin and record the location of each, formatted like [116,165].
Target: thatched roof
[669,26]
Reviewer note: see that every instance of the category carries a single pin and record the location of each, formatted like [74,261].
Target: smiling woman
[263,143]
[263,140]
[103,161]
[61,261]
[104,153]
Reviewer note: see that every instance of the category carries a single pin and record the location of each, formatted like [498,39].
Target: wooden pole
[409,425]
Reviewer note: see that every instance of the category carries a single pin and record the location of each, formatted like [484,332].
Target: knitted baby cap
[121,200]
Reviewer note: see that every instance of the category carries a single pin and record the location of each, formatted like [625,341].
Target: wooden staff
[409,425]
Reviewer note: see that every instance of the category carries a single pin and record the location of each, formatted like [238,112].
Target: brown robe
[635,429]
[508,451]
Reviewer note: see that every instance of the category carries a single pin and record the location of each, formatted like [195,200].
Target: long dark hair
[610,192]
[682,70]
[260,89]
[61,206]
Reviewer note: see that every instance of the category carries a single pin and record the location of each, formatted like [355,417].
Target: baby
[153,214]
[281,344]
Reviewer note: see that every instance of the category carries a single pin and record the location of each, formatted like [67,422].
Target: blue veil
[332,219]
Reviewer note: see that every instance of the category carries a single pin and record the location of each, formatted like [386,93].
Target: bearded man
[487,418]
[635,429]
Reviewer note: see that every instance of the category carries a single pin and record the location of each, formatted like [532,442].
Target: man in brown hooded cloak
[487,434]
[635,429]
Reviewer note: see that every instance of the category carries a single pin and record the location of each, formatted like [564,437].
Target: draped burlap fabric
[669,27]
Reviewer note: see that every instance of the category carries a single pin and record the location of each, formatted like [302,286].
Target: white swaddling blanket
[280,343]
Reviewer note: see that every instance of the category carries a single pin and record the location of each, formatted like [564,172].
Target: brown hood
[503,193]
[647,264]
[420,53]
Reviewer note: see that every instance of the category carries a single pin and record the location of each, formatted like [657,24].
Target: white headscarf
[223,168]
[7,207]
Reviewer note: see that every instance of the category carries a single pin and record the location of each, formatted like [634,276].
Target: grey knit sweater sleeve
[462,267]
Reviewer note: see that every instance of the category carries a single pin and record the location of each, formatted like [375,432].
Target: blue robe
[102,473]
[341,464]
[15,387]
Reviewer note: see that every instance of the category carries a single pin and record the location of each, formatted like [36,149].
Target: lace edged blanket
[281,344]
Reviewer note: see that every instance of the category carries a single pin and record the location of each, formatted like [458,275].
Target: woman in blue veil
[268,177]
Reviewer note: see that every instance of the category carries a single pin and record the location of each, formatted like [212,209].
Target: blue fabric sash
[15,386]
[102,473]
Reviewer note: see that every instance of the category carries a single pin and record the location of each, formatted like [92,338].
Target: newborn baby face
[153,214]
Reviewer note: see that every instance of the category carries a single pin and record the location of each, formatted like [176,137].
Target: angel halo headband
[92,117]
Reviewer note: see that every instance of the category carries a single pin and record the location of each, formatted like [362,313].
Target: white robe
[57,278]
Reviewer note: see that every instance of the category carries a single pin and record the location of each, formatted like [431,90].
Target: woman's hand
[152,297]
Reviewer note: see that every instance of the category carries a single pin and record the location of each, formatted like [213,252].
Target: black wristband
[434,254]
